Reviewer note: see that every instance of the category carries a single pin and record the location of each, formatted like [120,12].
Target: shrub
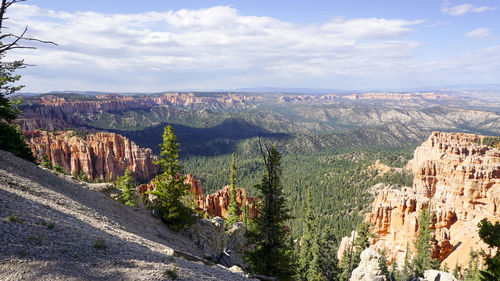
[100,244]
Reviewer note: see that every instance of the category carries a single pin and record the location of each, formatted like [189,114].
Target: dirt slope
[62,221]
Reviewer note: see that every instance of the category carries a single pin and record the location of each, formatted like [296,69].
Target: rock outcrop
[215,204]
[460,179]
[99,156]
[219,246]
[436,275]
[369,267]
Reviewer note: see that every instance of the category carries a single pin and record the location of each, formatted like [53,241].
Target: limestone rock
[369,267]
[436,275]
[217,245]
[460,178]
[101,156]
[217,204]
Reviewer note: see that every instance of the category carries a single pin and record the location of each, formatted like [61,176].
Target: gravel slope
[62,221]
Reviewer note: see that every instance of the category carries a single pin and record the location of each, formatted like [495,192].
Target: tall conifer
[170,190]
[272,255]
[234,208]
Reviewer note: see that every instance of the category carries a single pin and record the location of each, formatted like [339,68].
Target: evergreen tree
[472,272]
[234,208]
[490,234]
[324,265]
[11,138]
[272,255]
[407,270]
[456,270]
[361,242]
[125,183]
[306,243]
[423,259]
[171,193]
[394,270]
[383,265]
[246,211]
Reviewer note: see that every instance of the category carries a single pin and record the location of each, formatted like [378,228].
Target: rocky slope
[54,229]
[100,156]
[459,178]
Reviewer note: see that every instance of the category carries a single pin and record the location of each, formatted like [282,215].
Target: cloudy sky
[151,45]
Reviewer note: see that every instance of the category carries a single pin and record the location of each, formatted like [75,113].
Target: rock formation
[215,204]
[100,156]
[226,248]
[369,267]
[460,179]
[56,112]
[436,275]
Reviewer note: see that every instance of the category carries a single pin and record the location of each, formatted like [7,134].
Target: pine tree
[394,270]
[472,272]
[234,208]
[246,211]
[272,255]
[170,190]
[490,234]
[423,259]
[306,243]
[383,265]
[11,138]
[125,183]
[324,264]
[407,270]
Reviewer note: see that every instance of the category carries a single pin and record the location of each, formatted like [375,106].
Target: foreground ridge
[54,229]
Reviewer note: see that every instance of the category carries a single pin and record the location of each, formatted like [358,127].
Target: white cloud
[215,48]
[460,10]
[479,33]
[207,43]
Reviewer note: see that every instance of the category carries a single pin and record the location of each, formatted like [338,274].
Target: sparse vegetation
[172,274]
[100,244]
[13,218]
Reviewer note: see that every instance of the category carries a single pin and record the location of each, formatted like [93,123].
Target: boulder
[436,275]
[369,267]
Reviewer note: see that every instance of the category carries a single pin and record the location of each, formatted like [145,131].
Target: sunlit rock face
[102,156]
[459,178]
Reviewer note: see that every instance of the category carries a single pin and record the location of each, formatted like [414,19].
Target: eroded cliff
[459,177]
[215,204]
[102,156]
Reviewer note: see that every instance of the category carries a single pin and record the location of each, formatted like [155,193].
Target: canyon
[58,112]
[100,156]
[458,177]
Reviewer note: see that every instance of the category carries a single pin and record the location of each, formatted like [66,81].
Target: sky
[154,46]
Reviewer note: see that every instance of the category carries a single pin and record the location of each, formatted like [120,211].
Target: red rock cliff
[99,156]
[215,204]
[460,179]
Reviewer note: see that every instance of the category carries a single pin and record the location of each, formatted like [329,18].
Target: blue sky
[151,46]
